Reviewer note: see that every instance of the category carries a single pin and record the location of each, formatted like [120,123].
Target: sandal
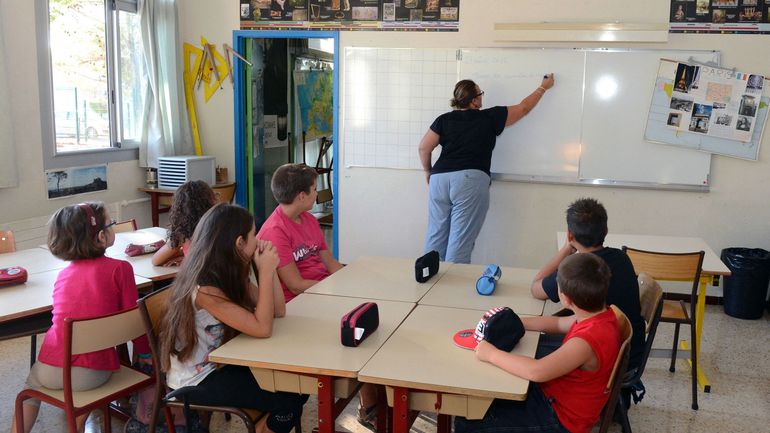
[367,417]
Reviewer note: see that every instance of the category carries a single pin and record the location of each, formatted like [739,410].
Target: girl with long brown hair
[211,300]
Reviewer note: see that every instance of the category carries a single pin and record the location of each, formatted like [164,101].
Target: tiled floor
[735,356]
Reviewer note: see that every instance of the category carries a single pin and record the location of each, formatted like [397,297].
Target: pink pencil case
[359,323]
[137,250]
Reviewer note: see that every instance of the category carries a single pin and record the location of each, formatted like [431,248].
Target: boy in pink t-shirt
[304,257]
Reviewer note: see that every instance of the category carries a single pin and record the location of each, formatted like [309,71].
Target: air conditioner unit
[173,171]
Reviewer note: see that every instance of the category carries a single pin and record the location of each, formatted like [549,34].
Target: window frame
[119,151]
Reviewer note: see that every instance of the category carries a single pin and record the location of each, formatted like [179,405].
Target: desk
[142,264]
[712,267]
[304,354]
[386,278]
[34,260]
[424,370]
[457,289]
[157,194]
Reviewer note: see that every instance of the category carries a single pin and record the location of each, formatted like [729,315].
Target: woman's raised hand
[547,81]
[265,256]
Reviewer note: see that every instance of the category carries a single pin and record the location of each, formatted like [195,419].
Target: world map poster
[314,96]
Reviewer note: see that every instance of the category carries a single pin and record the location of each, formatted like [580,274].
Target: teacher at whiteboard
[459,180]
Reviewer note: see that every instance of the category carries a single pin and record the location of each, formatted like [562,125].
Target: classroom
[381,209]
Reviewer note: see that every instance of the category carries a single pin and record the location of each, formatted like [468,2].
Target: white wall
[29,199]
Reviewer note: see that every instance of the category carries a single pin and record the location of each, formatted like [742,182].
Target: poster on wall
[720,16]
[351,14]
[714,101]
[76,180]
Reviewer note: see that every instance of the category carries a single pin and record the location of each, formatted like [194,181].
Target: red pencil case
[137,250]
[359,323]
[12,275]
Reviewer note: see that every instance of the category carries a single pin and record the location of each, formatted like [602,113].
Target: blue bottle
[485,285]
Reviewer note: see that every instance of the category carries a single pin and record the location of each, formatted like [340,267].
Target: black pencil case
[359,323]
[426,266]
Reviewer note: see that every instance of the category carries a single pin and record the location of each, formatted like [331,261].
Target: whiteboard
[552,128]
[572,136]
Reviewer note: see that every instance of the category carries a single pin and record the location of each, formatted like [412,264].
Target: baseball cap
[500,326]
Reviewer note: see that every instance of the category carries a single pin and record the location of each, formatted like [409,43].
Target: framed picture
[76,180]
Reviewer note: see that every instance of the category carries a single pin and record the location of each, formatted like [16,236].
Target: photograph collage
[714,101]
[720,11]
[257,12]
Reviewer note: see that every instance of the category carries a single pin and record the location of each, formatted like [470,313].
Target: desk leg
[700,310]
[154,209]
[32,349]
[325,404]
[444,423]
[400,410]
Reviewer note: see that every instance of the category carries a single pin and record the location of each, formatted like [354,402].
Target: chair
[677,267]
[84,336]
[125,226]
[621,363]
[225,193]
[151,309]
[651,300]
[7,241]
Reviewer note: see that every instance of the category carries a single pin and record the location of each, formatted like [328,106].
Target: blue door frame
[241,176]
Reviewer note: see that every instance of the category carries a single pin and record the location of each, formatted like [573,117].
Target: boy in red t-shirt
[567,391]
[304,257]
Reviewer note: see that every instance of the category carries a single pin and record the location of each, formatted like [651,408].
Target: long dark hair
[213,260]
[465,92]
[191,201]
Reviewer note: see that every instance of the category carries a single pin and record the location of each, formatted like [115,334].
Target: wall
[29,199]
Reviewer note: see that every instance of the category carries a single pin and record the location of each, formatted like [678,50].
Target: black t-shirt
[467,138]
[623,293]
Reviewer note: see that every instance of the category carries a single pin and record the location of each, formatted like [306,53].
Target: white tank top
[192,371]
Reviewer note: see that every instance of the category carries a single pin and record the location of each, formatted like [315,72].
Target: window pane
[79,71]
[132,76]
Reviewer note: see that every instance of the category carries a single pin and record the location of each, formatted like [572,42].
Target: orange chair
[85,336]
[7,241]
[125,226]
[618,371]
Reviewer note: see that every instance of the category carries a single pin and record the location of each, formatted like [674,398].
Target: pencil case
[137,250]
[359,323]
[486,284]
[13,275]
[426,266]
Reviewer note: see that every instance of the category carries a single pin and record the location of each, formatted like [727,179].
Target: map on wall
[720,16]
[314,97]
[436,15]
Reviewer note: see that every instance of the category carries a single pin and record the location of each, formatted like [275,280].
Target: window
[93,78]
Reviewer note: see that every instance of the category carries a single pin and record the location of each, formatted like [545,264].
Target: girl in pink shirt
[92,285]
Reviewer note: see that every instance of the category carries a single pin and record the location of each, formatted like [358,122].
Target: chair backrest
[668,266]
[7,241]
[621,363]
[125,226]
[152,308]
[651,300]
[103,332]
[224,194]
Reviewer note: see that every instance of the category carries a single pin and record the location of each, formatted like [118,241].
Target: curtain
[8,174]
[165,124]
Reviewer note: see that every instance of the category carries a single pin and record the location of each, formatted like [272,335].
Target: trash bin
[745,290]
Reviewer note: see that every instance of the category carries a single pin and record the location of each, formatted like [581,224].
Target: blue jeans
[457,206]
[534,414]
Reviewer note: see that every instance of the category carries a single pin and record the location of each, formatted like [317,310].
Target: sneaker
[367,417]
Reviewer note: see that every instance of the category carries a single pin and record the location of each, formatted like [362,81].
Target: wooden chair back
[125,226]
[618,371]
[90,335]
[7,241]
[224,194]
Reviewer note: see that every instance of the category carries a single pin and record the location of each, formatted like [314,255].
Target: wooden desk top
[172,190]
[457,289]
[387,278]
[142,264]
[712,264]
[35,296]
[307,340]
[422,355]
[34,260]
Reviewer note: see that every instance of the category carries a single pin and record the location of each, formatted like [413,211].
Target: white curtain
[8,175]
[165,124]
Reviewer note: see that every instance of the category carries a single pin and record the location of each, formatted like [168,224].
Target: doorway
[286,110]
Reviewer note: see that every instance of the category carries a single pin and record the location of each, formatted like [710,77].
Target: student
[191,201]
[296,234]
[567,390]
[211,300]
[586,230]
[91,285]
